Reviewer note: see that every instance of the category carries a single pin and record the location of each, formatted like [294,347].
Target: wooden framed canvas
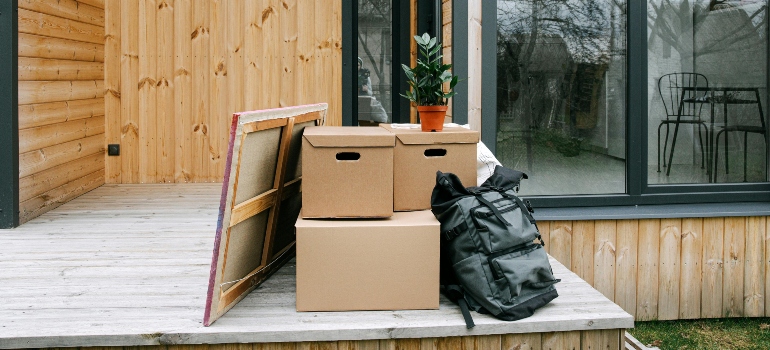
[261,199]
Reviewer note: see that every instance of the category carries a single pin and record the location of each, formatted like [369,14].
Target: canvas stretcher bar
[261,199]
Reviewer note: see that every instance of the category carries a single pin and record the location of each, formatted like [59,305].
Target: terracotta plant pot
[432,117]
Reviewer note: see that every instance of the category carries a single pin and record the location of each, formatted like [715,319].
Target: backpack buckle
[454,231]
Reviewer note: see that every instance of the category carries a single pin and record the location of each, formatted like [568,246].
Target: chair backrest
[676,88]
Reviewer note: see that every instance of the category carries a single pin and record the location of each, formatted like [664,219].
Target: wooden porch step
[128,265]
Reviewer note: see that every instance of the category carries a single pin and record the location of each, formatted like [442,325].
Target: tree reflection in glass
[561,94]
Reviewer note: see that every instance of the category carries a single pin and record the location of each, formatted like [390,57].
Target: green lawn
[732,333]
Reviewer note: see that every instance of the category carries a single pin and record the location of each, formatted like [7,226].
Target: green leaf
[419,40]
[435,50]
[432,42]
[409,73]
[453,83]
[425,39]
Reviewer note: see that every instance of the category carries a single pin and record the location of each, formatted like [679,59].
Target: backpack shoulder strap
[480,197]
[456,294]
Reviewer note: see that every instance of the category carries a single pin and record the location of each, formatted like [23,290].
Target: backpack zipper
[474,212]
[475,215]
[494,201]
[507,209]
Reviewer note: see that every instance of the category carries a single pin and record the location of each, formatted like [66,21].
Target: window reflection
[375,52]
[715,123]
[561,94]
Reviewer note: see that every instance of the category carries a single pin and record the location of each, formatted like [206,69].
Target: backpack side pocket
[470,272]
[527,271]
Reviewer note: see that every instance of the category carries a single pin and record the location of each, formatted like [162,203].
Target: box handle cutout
[348,156]
[435,152]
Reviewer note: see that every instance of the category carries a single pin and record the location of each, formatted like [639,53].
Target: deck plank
[127,265]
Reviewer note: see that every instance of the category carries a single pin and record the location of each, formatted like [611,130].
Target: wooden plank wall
[176,71]
[446,40]
[474,64]
[413,53]
[61,102]
[667,269]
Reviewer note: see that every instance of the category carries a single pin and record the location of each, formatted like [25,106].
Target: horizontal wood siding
[177,70]
[666,269]
[609,339]
[61,102]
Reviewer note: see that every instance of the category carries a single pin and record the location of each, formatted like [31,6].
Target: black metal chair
[745,129]
[683,96]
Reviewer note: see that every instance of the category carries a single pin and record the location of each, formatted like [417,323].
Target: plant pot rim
[433,107]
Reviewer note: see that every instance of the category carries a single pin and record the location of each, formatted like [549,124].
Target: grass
[730,333]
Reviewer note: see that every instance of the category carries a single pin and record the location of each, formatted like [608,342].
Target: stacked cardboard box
[346,260]
[347,172]
[418,155]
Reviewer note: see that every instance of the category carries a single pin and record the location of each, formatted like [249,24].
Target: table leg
[762,122]
[673,141]
[727,154]
[710,136]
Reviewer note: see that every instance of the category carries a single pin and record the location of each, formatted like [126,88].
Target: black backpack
[490,262]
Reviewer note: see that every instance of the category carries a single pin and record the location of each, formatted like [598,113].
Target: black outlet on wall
[113,149]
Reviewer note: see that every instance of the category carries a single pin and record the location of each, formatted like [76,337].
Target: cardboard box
[385,264]
[418,155]
[347,172]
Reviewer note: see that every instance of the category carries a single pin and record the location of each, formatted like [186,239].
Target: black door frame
[9,114]
[460,62]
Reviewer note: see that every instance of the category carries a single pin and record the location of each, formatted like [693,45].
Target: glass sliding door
[374,84]
[375,42]
[707,87]
[561,94]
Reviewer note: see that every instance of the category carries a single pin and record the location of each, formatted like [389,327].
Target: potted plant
[426,82]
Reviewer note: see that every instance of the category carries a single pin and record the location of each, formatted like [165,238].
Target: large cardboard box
[384,264]
[347,172]
[418,155]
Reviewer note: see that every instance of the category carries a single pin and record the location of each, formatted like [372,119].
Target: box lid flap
[348,136]
[406,218]
[448,135]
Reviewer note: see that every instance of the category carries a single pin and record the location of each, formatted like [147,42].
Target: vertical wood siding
[176,71]
[61,102]
[667,269]
[474,64]
[446,40]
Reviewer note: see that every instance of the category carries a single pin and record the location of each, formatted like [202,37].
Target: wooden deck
[128,265]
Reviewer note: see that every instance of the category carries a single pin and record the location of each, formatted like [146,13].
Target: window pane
[707,91]
[561,77]
[375,52]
